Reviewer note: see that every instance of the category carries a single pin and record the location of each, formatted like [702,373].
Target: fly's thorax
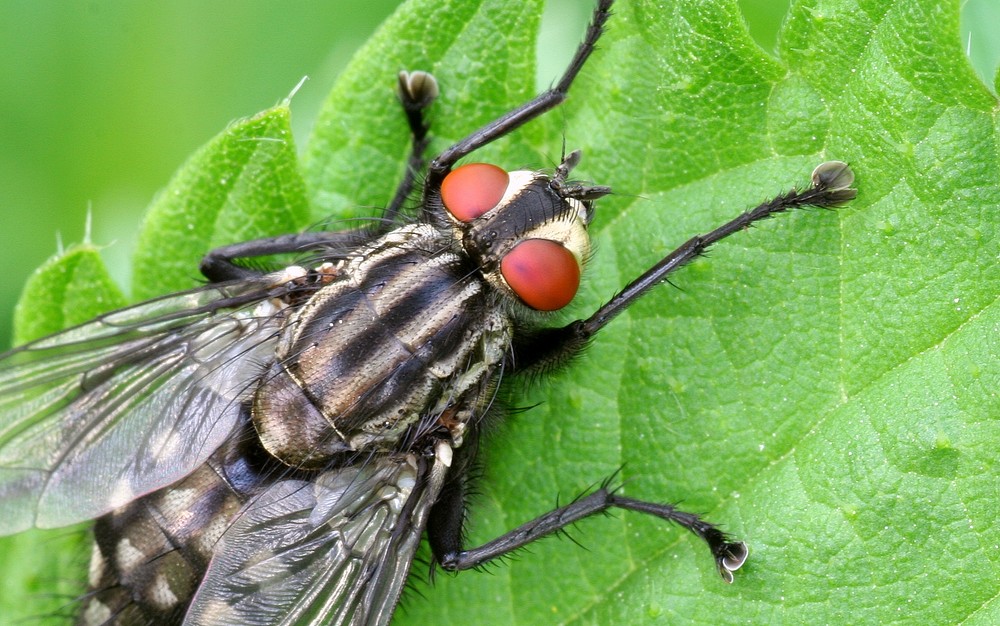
[405,338]
[526,235]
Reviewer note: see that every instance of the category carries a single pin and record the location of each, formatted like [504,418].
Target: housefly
[271,447]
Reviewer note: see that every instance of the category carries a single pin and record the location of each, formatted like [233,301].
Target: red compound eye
[473,189]
[542,273]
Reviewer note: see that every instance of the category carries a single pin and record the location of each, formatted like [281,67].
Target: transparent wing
[333,551]
[97,415]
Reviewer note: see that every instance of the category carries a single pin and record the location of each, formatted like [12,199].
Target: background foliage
[846,426]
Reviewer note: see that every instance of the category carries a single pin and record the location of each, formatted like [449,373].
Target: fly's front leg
[528,111]
[831,187]
[729,555]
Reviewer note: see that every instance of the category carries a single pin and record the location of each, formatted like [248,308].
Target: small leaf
[68,289]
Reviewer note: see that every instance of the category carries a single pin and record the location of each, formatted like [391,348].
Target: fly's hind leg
[445,530]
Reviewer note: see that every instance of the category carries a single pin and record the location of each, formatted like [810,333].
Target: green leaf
[71,288]
[823,385]
[244,184]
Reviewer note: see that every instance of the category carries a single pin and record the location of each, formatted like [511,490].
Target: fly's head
[525,230]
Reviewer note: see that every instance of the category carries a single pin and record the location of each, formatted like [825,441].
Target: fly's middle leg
[417,90]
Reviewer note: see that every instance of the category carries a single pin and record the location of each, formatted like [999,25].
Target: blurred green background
[100,101]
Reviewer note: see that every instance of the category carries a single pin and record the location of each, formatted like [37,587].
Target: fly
[271,447]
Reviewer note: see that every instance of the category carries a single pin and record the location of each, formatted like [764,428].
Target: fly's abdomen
[400,336]
[149,557]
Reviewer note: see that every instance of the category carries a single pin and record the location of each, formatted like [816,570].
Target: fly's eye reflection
[273,445]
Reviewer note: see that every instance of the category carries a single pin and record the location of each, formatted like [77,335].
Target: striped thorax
[403,334]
